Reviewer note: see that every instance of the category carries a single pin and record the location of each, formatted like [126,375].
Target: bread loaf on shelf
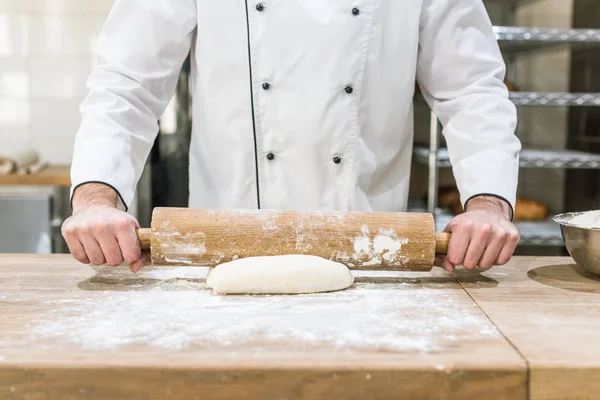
[525,209]
[18,162]
[511,86]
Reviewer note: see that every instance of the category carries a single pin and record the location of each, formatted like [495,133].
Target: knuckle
[515,236]
[100,227]
[485,229]
[122,223]
[502,235]
[465,224]
[87,230]
[69,231]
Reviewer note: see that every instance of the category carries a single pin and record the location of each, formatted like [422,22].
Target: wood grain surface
[389,241]
[549,308]
[42,289]
[56,175]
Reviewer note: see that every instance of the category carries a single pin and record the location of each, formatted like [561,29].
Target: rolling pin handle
[145,237]
[441,242]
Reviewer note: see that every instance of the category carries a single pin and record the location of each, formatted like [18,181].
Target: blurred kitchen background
[551,47]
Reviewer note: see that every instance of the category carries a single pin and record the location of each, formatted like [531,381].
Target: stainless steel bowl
[583,244]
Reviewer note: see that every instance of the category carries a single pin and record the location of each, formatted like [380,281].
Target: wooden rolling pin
[361,240]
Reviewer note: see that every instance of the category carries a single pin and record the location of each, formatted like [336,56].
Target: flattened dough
[287,274]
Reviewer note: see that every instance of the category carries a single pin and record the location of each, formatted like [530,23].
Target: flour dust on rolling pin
[395,241]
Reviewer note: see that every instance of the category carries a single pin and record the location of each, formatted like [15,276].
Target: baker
[297,104]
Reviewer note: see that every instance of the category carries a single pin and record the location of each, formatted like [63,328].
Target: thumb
[141,262]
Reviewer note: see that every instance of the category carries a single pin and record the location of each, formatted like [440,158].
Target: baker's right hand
[99,232]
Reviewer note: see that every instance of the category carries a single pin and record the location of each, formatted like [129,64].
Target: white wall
[46,54]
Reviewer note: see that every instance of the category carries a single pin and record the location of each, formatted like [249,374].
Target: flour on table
[285,274]
[173,309]
[588,220]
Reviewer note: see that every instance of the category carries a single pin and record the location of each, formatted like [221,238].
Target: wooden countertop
[72,331]
[549,309]
[526,330]
[56,175]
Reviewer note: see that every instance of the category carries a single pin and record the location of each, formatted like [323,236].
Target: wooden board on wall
[51,176]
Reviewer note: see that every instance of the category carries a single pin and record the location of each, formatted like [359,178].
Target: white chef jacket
[300,104]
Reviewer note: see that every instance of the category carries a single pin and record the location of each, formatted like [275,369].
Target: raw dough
[287,274]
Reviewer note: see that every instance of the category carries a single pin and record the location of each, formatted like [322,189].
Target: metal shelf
[512,3]
[528,158]
[547,99]
[533,233]
[544,99]
[524,39]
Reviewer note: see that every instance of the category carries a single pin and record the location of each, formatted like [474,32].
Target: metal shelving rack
[514,41]
[521,39]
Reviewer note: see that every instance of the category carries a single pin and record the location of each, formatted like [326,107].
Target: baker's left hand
[483,236]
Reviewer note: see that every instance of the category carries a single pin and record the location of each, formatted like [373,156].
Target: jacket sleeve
[460,72]
[140,52]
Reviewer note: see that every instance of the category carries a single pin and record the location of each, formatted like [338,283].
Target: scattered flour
[178,248]
[388,245]
[173,309]
[385,246]
[588,220]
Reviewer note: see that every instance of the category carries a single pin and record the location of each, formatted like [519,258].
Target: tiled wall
[46,54]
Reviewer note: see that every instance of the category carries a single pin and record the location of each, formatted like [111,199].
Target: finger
[77,251]
[439,260]
[442,261]
[477,245]
[75,247]
[459,242]
[110,248]
[493,249]
[128,240]
[450,226]
[141,262]
[509,247]
[92,249]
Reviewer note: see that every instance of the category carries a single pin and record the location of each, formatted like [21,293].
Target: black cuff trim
[100,183]
[512,211]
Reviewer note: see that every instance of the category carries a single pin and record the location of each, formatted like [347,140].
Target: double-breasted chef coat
[300,104]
